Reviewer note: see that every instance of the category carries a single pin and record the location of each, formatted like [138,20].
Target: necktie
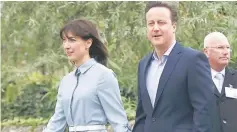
[219,78]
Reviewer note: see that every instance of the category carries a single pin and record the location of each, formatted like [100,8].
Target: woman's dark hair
[87,30]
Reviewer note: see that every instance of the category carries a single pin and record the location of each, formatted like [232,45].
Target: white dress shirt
[154,72]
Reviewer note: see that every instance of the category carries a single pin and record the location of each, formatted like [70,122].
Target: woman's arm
[57,122]
[109,96]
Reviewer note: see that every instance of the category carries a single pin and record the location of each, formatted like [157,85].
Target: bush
[31,100]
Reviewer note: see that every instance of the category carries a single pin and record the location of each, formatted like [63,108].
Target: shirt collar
[213,72]
[86,66]
[167,52]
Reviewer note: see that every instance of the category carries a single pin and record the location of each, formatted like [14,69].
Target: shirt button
[224,121]
[153,119]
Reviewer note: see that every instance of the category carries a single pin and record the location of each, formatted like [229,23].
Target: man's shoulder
[232,76]
[147,56]
[191,52]
[188,51]
[232,71]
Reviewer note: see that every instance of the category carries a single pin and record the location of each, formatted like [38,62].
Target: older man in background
[217,50]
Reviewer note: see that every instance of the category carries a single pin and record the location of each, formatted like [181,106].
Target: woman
[89,96]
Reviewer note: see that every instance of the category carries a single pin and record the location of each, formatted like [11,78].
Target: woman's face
[75,47]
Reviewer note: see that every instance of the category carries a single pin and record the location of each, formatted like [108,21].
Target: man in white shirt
[217,49]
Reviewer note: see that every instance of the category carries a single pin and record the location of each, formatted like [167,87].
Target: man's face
[218,52]
[160,29]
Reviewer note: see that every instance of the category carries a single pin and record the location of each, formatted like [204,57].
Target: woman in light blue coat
[89,96]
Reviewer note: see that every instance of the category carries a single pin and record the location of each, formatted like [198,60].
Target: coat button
[153,119]
[224,121]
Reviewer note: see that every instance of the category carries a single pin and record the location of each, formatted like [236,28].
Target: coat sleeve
[200,90]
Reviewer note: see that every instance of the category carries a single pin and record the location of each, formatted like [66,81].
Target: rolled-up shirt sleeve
[57,122]
[109,96]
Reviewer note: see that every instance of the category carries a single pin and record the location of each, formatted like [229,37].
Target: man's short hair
[172,6]
[213,36]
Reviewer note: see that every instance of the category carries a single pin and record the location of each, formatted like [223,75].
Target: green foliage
[30,101]
[33,59]
[197,19]
[130,107]
[25,122]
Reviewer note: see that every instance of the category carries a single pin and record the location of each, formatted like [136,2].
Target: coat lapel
[227,80]
[147,101]
[173,58]
[216,92]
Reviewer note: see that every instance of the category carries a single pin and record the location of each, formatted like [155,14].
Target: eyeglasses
[222,48]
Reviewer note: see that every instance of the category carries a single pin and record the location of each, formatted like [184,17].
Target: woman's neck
[82,61]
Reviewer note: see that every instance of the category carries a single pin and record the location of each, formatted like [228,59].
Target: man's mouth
[156,36]
[224,58]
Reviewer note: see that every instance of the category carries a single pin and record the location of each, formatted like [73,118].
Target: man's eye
[150,23]
[71,39]
[161,23]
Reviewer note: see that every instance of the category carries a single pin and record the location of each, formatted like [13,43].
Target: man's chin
[157,43]
[224,63]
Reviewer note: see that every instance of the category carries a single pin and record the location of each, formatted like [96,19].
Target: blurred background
[33,61]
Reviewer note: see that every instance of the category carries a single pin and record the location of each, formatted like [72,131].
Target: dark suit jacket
[184,97]
[226,116]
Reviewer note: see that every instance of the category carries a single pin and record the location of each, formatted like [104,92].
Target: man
[174,89]
[217,49]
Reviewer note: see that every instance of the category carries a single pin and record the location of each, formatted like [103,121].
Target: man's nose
[156,27]
[226,51]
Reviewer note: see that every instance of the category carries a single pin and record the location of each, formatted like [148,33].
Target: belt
[87,128]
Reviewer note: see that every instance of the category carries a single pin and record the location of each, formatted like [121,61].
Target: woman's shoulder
[103,70]
[69,76]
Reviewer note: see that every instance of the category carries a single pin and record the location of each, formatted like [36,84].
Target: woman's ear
[88,43]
